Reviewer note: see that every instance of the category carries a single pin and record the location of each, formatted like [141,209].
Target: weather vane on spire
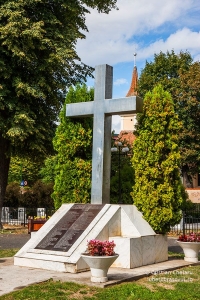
[134,58]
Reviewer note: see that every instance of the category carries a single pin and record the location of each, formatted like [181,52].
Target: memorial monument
[59,243]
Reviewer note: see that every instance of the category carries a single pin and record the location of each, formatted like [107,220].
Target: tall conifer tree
[73,143]
[158,192]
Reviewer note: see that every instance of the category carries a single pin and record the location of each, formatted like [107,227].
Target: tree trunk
[4,168]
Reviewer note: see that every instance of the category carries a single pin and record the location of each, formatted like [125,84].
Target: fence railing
[20,215]
[190,221]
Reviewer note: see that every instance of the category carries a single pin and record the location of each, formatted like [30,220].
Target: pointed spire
[132,91]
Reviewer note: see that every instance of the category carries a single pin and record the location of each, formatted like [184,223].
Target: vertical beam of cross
[101,158]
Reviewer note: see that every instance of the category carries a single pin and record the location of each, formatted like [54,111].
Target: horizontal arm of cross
[126,105]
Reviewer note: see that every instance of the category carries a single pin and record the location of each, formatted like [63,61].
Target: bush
[37,196]
[12,196]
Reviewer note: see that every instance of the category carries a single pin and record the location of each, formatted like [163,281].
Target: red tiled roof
[127,137]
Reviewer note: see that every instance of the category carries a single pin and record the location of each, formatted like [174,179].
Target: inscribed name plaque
[70,227]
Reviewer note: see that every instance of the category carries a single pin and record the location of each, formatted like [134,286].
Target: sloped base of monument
[59,243]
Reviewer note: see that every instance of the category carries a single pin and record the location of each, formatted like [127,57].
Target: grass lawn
[179,284]
[8,252]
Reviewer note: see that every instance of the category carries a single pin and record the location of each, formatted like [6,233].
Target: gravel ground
[9,241]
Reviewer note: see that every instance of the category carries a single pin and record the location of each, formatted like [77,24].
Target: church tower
[128,121]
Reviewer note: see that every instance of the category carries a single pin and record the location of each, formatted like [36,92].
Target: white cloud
[120,81]
[114,37]
[184,39]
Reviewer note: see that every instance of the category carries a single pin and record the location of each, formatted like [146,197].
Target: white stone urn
[99,266]
[191,250]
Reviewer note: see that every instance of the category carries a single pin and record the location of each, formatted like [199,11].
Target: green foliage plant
[12,196]
[47,172]
[73,143]
[158,192]
[39,195]
[188,106]
[165,70]
[180,76]
[24,168]
[8,252]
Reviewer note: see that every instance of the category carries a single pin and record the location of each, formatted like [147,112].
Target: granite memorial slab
[70,227]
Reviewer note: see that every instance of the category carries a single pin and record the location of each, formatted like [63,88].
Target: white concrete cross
[102,109]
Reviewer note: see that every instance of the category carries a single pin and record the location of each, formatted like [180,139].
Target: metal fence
[190,221]
[20,215]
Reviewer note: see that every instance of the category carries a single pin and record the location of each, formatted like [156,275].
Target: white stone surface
[132,222]
[161,248]
[148,250]
[130,250]
[121,223]
[191,250]
[136,252]
[99,266]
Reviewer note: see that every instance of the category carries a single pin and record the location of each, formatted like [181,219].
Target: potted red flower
[99,257]
[190,243]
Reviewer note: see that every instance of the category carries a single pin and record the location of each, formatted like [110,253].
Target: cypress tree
[73,143]
[158,192]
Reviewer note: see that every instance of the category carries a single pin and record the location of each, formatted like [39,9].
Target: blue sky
[142,26]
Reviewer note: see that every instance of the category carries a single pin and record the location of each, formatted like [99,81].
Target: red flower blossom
[100,248]
[191,237]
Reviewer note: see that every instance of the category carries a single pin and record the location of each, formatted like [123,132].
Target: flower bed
[35,224]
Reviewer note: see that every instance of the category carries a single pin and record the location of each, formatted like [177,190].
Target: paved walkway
[15,277]
[10,241]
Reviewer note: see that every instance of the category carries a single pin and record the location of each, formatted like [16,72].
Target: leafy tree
[24,169]
[188,106]
[164,70]
[38,61]
[73,143]
[158,192]
[181,77]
